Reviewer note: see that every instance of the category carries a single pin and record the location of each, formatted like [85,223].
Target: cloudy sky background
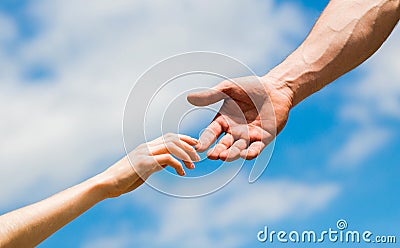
[66,69]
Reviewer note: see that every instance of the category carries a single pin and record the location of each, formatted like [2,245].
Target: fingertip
[190,97]
[197,98]
[197,159]
[201,148]
[250,157]
[248,154]
[212,156]
[227,158]
[210,153]
[181,172]
[223,156]
[232,153]
[193,141]
[189,165]
[190,140]
[205,97]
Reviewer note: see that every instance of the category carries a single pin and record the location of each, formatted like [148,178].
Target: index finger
[191,141]
[253,150]
[210,135]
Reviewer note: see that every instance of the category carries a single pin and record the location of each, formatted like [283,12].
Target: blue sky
[66,73]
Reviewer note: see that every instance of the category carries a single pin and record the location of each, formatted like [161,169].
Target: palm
[251,116]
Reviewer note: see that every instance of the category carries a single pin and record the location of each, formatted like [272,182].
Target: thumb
[207,97]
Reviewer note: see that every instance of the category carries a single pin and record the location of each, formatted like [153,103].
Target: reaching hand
[132,170]
[254,110]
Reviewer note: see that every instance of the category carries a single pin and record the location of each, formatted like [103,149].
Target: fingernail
[197,157]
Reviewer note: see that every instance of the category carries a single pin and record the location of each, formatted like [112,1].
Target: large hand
[254,110]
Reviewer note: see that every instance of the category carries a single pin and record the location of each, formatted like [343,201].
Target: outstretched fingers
[225,142]
[253,150]
[234,151]
[167,159]
[189,140]
[187,147]
[210,134]
[178,152]
[179,146]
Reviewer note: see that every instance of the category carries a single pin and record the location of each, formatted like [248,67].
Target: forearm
[28,226]
[345,35]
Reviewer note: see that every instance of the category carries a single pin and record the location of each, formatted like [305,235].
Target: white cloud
[122,239]
[359,146]
[56,130]
[381,85]
[230,214]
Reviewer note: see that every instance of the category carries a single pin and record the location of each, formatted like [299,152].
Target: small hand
[132,170]
[254,111]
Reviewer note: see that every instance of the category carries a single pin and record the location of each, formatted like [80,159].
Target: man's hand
[254,111]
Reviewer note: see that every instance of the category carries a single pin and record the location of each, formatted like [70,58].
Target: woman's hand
[30,225]
[131,171]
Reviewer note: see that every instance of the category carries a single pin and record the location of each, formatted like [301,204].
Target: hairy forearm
[346,34]
[28,226]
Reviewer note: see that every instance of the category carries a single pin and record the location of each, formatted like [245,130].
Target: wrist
[118,179]
[294,77]
[100,185]
[280,90]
